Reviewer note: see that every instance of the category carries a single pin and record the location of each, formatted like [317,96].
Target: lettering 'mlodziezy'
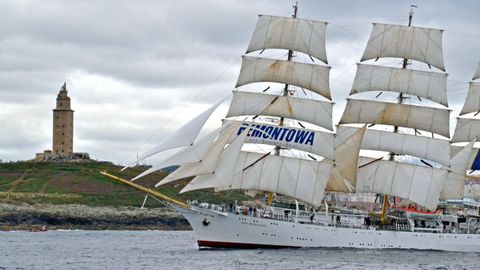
[283,134]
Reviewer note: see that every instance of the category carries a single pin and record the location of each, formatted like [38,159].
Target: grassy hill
[81,183]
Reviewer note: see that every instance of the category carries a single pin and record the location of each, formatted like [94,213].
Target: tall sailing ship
[306,159]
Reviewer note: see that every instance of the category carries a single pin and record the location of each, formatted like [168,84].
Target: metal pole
[285,93]
[395,128]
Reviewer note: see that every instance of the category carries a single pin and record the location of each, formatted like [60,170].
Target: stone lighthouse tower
[63,124]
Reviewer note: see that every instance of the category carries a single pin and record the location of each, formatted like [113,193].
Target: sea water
[178,250]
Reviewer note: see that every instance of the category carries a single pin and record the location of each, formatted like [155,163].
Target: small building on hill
[62,143]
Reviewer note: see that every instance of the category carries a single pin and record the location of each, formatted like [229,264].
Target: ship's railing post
[468,225]
[412,224]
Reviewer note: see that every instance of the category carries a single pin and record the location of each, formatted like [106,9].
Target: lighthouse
[62,146]
[63,124]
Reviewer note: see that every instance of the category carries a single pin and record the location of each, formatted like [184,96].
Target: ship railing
[428,230]
[397,228]
[282,217]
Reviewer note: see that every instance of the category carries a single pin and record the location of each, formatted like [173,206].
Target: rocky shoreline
[82,217]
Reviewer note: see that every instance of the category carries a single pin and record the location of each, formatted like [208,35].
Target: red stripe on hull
[215,244]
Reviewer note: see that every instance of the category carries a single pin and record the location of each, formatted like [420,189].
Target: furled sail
[455,182]
[306,36]
[313,141]
[416,43]
[472,102]
[185,135]
[430,85]
[466,130]
[419,184]
[375,112]
[313,111]
[436,150]
[301,179]
[309,76]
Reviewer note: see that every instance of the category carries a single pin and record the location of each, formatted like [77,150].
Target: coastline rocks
[26,217]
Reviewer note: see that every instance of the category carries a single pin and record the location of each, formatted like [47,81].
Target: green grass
[4,186]
[32,185]
[82,183]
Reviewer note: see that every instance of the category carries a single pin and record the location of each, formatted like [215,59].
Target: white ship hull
[241,231]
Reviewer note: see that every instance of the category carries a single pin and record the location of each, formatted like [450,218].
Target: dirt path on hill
[17,182]
[44,187]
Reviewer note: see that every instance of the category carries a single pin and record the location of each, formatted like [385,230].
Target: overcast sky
[135,70]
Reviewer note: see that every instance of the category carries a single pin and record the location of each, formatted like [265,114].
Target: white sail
[416,43]
[300,35]
[455,183]
[226,169]
[309,76]
[474,156]
[313,111]
[183,136]
[301,179]
[313,141]
[436,150]
[429,85]
[466,130]
[208,162]
[419,184]
[472,102]
[477,74]
[189,154]
[375,112]
[347,149]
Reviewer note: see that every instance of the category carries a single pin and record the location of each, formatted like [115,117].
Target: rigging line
[256,161]
[463,63]
[458,82]
[349,45]
[370,162]
[177,113]
[347,69]
[370,23]
[464,34]
[365,17]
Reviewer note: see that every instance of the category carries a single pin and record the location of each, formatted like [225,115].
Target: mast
[285,93]
[414,182]
[400,99]
[285,89]
[404,66]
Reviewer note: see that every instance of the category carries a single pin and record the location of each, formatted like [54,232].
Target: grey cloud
[129,65]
